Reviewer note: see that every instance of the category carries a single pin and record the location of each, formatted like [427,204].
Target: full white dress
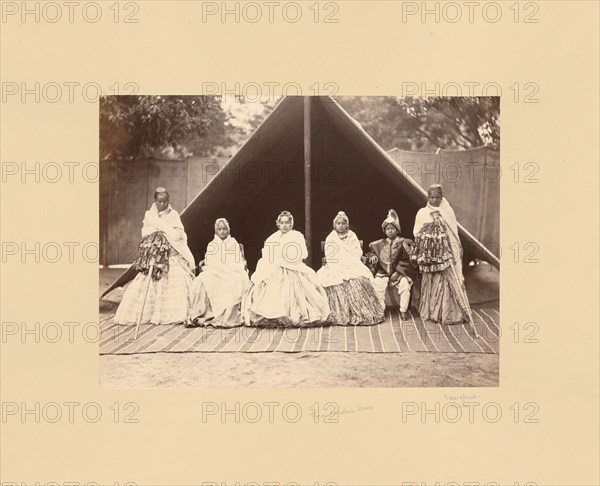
[217,291]
[284,291]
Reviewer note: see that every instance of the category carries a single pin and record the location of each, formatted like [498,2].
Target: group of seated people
[349,289]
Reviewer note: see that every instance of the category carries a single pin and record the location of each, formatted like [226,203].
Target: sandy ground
[270,370]
[275,370]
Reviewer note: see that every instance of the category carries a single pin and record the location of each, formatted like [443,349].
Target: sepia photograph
[254,243]
[249,242]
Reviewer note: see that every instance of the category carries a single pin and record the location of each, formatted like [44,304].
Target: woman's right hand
[373,260]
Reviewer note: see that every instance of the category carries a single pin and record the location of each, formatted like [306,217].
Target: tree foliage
[426,124]
[137,126]
[141,126]
[243,118]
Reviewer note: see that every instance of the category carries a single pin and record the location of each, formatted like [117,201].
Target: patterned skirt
[164,301]
[354,303]
[287,298]
[441,298]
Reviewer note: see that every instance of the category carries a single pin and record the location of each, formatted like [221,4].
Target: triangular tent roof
[350,173]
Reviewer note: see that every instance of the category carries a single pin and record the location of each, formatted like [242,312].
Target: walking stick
[139,320]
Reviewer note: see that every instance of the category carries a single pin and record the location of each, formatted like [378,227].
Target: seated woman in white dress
[160,292]
[217,291]
[283,290]
[347,281]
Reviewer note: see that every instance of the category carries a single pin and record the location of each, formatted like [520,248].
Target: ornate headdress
[392,218]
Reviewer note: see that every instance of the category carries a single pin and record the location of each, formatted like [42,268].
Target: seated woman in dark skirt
[347,281]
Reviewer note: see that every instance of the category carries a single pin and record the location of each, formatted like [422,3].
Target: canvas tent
[349,172]
[471,181]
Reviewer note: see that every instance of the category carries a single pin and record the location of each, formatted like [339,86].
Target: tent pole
[483,198]
[307,180]
[484,202]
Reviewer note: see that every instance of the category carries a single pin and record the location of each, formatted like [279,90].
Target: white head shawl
[285,213]
[224,221]
[340,215]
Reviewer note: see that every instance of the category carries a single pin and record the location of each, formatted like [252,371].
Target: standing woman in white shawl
[438,252]
[284,291]
[160,292]
[217,291]
[347,281]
